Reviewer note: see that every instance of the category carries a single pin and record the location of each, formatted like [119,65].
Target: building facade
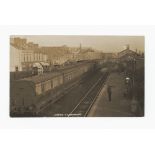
[15,59]
[23,59]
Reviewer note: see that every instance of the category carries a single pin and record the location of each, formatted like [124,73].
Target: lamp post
[134,103]
[133,72]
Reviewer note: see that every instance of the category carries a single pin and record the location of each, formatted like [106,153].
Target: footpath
[119,105]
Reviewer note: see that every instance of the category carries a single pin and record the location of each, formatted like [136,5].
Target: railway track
[83,107]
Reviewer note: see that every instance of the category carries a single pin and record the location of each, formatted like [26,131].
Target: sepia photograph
[77,76]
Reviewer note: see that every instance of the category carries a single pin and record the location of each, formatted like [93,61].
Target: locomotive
[31,95]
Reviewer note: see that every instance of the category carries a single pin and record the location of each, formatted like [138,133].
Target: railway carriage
[31,95]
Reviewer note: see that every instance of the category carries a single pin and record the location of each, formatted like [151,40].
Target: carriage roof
[48,76]
[41,78]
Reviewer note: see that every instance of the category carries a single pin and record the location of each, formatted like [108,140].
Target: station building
[127,54]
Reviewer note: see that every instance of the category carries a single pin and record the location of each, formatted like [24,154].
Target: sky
[103,43]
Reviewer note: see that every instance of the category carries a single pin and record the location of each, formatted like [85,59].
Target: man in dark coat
[109,92]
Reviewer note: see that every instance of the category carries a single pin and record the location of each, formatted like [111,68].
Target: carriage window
[51,84]
[55,82]
[38,89]
[61,80]
[68,76]
[47,85]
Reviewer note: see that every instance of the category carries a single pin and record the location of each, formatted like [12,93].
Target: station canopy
[44,63]
[37,64]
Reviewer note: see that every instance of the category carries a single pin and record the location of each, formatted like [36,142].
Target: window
[61,80]
[51,84]
[16,68]
[38,89]
[47,85]
[27,58]
[55,82]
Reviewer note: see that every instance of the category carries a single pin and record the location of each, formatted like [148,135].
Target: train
[31,95]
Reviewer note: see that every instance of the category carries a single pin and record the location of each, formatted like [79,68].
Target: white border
[78,123]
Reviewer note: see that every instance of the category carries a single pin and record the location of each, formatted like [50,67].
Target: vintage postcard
[76,76]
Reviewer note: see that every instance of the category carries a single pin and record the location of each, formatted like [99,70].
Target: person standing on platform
[109,91]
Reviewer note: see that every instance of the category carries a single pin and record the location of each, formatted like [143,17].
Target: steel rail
[86,95]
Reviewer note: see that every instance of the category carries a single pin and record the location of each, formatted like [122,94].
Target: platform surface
[119,105]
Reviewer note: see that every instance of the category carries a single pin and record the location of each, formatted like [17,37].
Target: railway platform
[119,106]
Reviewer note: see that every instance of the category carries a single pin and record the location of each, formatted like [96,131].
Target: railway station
[75,82]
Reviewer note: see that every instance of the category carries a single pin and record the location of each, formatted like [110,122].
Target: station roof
[127,52]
